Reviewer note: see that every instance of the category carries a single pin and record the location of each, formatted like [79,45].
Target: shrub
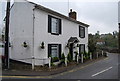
[76,53]
[55,59]
[69,57]
[63,58]
[86,55]
[52,64]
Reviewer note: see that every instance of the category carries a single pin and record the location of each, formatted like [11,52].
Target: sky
[101,15]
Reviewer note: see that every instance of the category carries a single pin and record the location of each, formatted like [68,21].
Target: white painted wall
[22,29]
[69,29]
[21,25]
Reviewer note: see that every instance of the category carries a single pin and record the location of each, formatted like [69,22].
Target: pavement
[50,72]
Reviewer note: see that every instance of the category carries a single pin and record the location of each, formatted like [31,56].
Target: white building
[38,32]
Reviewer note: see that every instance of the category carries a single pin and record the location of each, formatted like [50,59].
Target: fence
[32,61]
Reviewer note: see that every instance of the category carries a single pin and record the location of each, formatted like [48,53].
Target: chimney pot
[72,14]
[70,10]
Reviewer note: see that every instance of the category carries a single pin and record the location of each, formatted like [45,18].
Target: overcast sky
[101,15]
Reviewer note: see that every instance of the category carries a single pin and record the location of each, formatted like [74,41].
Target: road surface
[103,69]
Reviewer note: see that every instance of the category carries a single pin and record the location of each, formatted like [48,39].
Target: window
[81,32]
[54,25]
[82,48]
[54,50]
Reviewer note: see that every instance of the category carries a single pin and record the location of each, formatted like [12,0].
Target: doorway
[71,50]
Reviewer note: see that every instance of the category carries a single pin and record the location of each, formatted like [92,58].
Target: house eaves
[58,14]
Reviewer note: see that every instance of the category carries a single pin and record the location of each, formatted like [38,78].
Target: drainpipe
[33,57]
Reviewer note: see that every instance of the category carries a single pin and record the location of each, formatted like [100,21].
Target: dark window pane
[54,25]
[81,32]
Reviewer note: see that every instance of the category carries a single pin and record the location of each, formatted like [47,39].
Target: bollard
[102,53]
[65,61]
[77,58]
[49,62]
[106,54]
[33,63]
[97,54]
[81,58]
[90,56]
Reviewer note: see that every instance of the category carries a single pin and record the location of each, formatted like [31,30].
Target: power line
[68,7]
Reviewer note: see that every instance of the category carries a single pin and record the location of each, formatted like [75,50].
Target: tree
[91,43]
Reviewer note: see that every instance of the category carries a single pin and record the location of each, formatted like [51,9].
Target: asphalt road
[103,69]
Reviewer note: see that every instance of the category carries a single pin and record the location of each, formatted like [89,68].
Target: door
[71,50]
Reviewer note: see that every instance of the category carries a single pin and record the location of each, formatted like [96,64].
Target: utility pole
[119,37]
[6,48]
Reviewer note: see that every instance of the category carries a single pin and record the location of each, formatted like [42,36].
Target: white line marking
[101,71]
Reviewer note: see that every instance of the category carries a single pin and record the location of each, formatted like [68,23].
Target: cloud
[73,0]
[100,15]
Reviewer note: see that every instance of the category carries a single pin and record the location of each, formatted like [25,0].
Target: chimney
[72,14]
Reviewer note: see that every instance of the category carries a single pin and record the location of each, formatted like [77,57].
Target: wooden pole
[81,58]
[119,38]
[6,49]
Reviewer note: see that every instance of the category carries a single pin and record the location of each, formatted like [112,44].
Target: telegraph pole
[6,48]
[119,37]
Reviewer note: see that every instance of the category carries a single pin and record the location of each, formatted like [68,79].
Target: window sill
[82,37]
[54,34]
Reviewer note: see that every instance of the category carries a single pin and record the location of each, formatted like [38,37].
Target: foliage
[92,43]
[76,53]
[86,55]
[69,57]
[54,59]
[63,58]
[52,64]
[110,42]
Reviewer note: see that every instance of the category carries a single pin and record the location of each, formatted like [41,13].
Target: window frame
[58,26]
[81,48]
[81,30]
[55,47]
[59,49]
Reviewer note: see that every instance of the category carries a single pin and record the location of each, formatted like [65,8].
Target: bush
[76,53]
[55,59]
[52,64]
[69,57]
[63,58]
[86,55]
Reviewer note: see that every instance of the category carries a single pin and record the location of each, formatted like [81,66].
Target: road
[102,69]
